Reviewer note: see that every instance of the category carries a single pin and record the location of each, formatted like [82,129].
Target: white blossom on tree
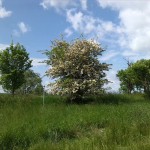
[76,68]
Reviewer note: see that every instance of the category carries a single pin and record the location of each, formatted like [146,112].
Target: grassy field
[112,122]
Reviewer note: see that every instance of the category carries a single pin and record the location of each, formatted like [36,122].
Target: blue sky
[122,27]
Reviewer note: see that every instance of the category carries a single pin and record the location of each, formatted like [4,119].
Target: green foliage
[136,78]
[142,74]
[14,61]
[32,84]
[127,80]
[76,68]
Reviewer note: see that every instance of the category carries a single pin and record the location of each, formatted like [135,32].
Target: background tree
[32,84]
[141,71]
[126,80]
[76,68]
[136,77]
[14,61]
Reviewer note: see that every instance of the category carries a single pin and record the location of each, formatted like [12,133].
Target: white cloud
[108,26]
[3,46]
[38,62]
[68,32]
[137,28]
[84,4]
[23,27]
[64,4]
[57,4]
[124,4]
[75,19]
[109,55]
[134,22]
[80,22]
[3,12]
[89,25]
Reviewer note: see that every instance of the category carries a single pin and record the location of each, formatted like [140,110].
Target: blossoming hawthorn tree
[76,68]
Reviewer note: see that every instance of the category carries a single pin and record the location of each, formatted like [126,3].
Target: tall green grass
[109,122]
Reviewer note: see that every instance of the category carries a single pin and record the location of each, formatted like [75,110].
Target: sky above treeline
[121,26]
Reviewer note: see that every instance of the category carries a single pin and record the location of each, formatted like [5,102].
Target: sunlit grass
[110,122]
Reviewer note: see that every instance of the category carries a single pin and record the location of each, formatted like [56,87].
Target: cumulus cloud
[123,4]
[84,4]
[3,46]
[68,32]
[137,28]
[23,27]
[64,4]
[132,32]
[134,22]
[3,12]
[38,62]
[89,25]
[57,4]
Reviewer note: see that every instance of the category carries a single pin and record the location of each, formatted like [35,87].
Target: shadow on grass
[111,99]
[120,98]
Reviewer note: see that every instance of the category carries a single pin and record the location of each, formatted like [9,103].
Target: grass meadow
[110,122]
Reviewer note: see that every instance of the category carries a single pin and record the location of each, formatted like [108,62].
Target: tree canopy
[32,84]
[14,61]
[136,78]
[76,68]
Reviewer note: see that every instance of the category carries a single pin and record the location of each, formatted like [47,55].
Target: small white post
[43,95]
